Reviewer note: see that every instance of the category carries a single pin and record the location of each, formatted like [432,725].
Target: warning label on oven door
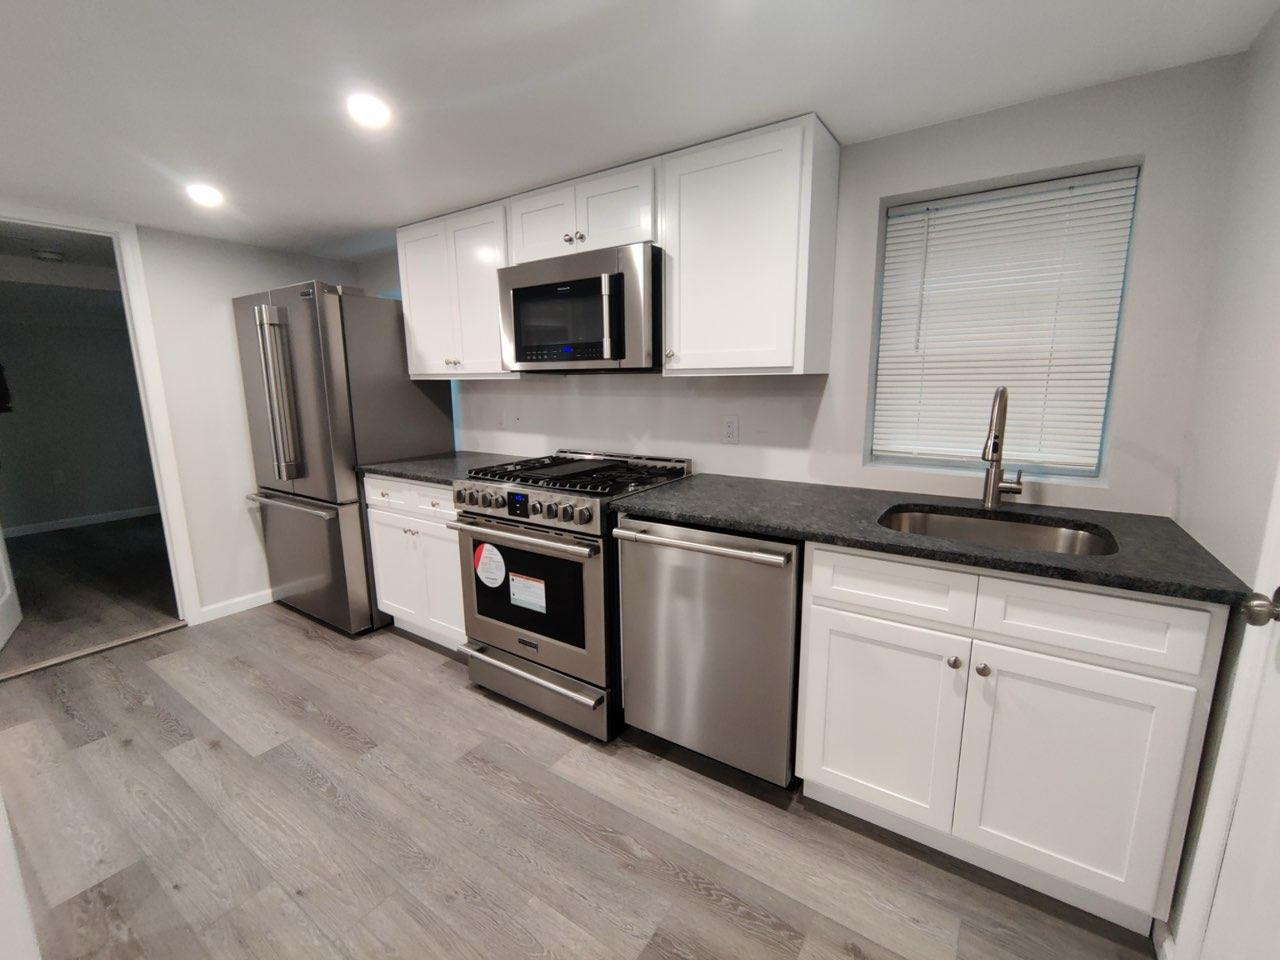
[529,592]
[490,567]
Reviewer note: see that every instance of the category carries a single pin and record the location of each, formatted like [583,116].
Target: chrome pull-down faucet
[995,485]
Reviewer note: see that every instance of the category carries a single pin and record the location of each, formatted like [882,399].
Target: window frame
[958,195]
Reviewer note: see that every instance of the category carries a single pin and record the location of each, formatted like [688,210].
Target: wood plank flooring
[259,787]
[88,585]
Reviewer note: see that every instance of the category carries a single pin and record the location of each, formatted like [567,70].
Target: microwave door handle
[606,344]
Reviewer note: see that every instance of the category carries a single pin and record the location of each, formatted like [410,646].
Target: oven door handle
[571,550]
[589,702]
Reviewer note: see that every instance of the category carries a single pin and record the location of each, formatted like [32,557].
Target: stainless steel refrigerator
[327,387]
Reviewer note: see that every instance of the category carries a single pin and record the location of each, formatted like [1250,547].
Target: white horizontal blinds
[1018,287]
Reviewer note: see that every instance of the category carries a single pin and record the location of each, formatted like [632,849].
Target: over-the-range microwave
[593,311]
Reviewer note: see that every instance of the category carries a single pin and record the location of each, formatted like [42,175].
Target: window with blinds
[1019,287]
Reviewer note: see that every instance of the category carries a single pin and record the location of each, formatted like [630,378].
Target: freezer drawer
[708,625]
[316,559]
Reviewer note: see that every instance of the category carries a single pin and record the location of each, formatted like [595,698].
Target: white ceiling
[111,108]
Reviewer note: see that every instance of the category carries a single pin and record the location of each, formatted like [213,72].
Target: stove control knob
[460,495]
[566,513]
[552,511]
[486,500]
[472,497]
[584,515]
[535,507]
[499,501]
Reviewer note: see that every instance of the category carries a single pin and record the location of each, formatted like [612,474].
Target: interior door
[1072,768]
[882,712]
[614,209]
[542,224]
[731,231]
[477,243]
[10,610]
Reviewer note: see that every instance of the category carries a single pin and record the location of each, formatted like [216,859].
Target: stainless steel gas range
[539,574]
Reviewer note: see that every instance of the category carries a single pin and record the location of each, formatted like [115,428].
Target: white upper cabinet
[449,275]
[604,210]
[748,228]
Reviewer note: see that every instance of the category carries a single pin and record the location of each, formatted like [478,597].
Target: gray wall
[1178,122]
[75,446]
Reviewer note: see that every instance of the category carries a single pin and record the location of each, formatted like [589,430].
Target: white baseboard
[224,608]
[85,520]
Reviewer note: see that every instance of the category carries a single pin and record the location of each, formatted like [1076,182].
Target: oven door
[535,593]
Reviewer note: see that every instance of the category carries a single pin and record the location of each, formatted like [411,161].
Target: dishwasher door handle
[729,553]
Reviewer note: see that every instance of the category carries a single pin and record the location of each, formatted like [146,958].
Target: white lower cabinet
[865,674]
[1072,768]
[416,576]
[1031,755]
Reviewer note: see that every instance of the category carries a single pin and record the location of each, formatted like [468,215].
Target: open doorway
[87,561]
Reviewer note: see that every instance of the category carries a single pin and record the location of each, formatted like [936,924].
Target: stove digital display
[518,505]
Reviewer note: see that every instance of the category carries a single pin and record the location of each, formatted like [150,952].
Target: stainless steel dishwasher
[708,623]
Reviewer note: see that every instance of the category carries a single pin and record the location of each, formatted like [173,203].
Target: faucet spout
[994,485]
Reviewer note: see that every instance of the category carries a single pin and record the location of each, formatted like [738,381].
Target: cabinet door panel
[1072,769]
[540,222]
[477,248]
[882,712]
[731,230]
[398,577]
[439,547]
[430,323]
[615,209]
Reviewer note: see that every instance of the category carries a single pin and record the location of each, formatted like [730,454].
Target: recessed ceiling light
[368,111]
[205,195]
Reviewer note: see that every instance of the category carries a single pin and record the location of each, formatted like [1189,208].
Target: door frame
[146,365]
[1184,936]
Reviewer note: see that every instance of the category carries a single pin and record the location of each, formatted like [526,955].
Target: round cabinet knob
[486,500]
[568,238]
[670,354]
[472,497]
[499,500]
[982,670]
[535,508]
[552,511]
[566,513]
[953,663]
[584,515]
[580,236]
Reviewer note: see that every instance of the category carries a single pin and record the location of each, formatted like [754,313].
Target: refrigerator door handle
[274,502]
[277,377]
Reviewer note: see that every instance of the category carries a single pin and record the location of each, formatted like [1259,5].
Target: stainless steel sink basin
[1016,534]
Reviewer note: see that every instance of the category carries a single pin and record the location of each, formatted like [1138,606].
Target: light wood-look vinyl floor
[86,586]
[259,787]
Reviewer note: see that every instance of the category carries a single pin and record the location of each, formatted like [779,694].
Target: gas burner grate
[594,476]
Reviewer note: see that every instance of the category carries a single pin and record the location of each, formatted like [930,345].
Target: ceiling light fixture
[205,195]
[368,111]
[48,256]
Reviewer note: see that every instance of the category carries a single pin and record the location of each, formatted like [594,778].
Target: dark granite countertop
[1155,555]
[438,467]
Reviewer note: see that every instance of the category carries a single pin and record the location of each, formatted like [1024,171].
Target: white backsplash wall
[1178,122]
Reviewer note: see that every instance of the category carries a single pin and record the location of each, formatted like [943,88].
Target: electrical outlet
[729,433]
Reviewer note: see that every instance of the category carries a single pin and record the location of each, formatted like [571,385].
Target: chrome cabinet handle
[752,556]
[571,550]
[568,238]
[589,702]
[273,502]
[953,663]
[982,670]
[580,236]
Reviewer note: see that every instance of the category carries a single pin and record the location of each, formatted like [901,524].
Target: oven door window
[529,591]
[572,320]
